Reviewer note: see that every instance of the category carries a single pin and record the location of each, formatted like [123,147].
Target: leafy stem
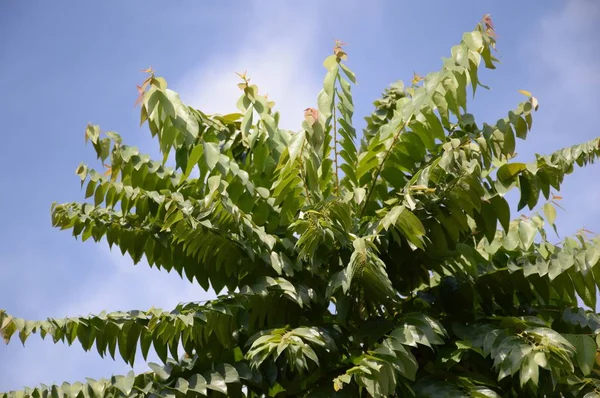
[302,171]
[385,156]
[335,149]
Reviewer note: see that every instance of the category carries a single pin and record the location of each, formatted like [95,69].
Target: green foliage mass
[386,268]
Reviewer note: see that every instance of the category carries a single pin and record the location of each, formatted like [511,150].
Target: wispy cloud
[274,54]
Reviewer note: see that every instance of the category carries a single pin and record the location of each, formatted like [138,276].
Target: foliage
[386,268]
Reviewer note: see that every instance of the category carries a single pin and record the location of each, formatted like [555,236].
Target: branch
[302,171]
[161,329]
[387,153]
[335,149]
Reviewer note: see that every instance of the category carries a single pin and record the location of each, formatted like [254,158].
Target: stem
[335,148]
[302,169]
[387,153]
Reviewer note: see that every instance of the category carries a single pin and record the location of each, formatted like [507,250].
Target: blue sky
[64,65]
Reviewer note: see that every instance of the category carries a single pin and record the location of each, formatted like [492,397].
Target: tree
[384,267]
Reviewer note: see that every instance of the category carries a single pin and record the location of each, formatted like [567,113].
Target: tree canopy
[375,263]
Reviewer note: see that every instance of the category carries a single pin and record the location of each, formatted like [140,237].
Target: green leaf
[541,359]
[330,62]
[527,233]
[550,212]
[229,373]
[231,117]
[529,371]
[163,373]
[586,353]
[124,383]
[511,240]
[412,228]
[97,387]
[263,192]
[527,192]
[502,211]
[92,133]
[348,73]
[215,381]
[474,40]
[197,383]
[89,192]
[391,217]
[99,195]
[325,103]
[192,161]
[211,154]
[295,146]
[490,221]
[182,385]
[510,170]
[247,121]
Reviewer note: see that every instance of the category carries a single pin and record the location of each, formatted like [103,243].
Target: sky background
[64,64]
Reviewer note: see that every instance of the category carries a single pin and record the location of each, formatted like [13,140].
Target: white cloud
[275,55]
